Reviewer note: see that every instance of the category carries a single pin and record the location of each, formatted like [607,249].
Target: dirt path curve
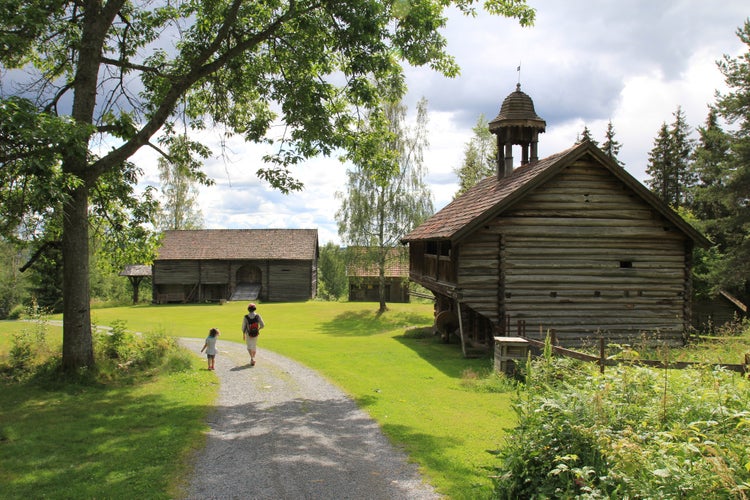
[281,431]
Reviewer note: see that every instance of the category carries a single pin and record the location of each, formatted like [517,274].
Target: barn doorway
[249,279]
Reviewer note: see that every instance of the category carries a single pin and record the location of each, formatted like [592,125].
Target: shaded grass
[95,441]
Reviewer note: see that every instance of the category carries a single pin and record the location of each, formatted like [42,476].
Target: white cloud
[583,63]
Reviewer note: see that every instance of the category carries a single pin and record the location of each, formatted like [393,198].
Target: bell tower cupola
[516,124]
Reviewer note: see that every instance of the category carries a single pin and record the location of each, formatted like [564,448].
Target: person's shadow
[238,368]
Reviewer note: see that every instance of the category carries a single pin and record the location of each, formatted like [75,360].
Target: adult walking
[252,324]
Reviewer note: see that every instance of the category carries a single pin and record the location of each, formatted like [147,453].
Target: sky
[583,63]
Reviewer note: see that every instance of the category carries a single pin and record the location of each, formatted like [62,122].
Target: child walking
[210,347]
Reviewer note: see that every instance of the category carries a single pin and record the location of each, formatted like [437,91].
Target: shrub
[630,432]
[29,346]
[16,312]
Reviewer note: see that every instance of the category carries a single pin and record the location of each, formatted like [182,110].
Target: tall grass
[631,432]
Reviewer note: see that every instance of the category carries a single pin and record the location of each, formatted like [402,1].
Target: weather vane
[519,72]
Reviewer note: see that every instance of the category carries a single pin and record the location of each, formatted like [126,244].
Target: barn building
[364,276]
[273,265]
[570,243]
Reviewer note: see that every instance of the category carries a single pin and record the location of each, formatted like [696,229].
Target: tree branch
[128,65]
[179,85]
[38,254]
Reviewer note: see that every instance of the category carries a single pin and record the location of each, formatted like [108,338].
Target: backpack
[253,327]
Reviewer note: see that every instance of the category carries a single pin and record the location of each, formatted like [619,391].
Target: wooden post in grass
[601,354]
[461,327]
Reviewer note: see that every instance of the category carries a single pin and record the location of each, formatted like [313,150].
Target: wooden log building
[273,265]
[570,243]
[363,274]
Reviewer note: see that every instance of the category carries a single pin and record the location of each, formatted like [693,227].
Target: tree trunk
[78,349]
[381,280]
[135,282]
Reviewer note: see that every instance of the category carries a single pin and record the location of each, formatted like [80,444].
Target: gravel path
[281,431]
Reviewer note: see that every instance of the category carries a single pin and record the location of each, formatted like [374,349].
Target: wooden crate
[510,351]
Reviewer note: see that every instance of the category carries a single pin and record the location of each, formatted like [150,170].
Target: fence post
[601,355]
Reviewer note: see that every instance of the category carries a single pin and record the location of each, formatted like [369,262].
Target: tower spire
[516,124]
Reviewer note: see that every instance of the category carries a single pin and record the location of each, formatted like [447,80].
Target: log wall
[289,281]
[214,280]
[582,255]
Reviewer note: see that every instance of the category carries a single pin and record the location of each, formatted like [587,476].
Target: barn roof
[239,244]
[490,197]
[136,270]
[396,264]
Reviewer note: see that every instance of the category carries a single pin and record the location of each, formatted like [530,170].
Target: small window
[445,248]
[626,264]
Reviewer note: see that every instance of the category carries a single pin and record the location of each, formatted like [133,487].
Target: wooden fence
[603,361]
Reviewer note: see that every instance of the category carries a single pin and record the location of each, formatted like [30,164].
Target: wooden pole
[601,354]
[461,327]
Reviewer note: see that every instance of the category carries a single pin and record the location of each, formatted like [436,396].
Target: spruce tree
[660,169]
[480,157]
[611,146]
[586,136]
[734,106]
[669,162]
[681,150]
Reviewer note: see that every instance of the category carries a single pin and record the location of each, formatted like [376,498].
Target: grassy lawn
[419,390]
[101,442]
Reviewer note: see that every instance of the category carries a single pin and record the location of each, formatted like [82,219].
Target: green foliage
[479,157]
[629,433]
[46,280]
[29,348]
[332,282]
[13,283]
[121,351]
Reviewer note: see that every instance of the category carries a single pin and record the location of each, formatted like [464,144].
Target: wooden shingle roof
[396,265]
[239,244]
[136,270]
[491,196]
